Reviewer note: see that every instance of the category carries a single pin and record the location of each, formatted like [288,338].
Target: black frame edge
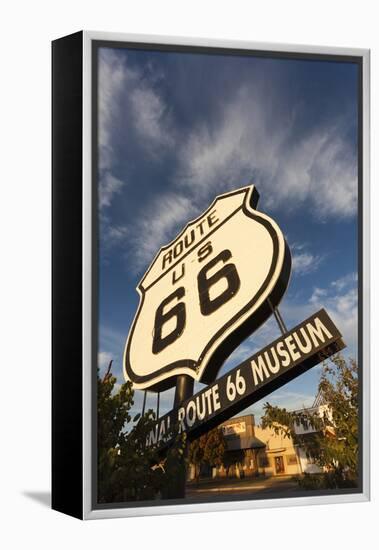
[67,185]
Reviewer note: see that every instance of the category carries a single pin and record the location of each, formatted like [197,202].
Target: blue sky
[177,129]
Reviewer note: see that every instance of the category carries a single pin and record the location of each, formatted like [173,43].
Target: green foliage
[335,479]
[207,449]
[128,470]
[334,443]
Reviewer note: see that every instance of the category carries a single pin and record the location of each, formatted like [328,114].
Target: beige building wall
[279,457]
[253,450]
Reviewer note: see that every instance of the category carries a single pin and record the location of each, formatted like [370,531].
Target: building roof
[319,400]
[249,418]
[249,442]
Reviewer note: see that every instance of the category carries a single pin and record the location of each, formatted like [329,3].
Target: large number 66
[207,305]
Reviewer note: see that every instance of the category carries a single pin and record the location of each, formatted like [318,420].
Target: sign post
[183,392]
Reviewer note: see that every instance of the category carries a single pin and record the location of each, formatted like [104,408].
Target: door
[279,465]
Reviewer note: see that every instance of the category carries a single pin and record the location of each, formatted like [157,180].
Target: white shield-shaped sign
[205,292]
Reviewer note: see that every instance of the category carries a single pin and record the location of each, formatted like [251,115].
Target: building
[243,448]
[321,408]
[253,450]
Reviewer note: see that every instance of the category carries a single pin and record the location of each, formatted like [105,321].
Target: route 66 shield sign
[206,291]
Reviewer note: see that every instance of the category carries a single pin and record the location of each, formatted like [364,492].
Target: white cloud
[340,300]
[290,400]
[103,359]
[318,295]
[127,97]
[140,108]
[114,75]
[154,230]
[151,118]
[248,145]
[111,346]
[144,111]
[303,261]
[287,399]
[265,334]
[253,138]
[345,282]
[108,187]
[213,159]
[343,309]
[111,236]
[117,233]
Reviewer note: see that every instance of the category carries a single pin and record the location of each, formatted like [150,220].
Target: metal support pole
[158,396]
[144,403]
[278,317]
[184,390]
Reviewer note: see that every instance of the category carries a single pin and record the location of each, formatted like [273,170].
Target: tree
[334,443]
[207,449]
[113,412]
[127,468]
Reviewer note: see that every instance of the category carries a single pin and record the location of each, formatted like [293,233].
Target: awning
[237,443]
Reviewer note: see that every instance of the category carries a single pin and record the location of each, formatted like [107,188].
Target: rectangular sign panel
[296,351]
[235,428]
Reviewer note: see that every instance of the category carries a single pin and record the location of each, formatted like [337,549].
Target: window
[291,460]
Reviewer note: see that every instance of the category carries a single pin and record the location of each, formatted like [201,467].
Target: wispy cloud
[351,279]
[341,302]
[157,227]
[287,399]
[340,299]
[130,110]
[301,162]
[252,135]
[111,346]
[117,233]
[113,77]
[303,261]
[108,187]
[151,118]
[265,334]
[129,105]
[245,143]
[103,360]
